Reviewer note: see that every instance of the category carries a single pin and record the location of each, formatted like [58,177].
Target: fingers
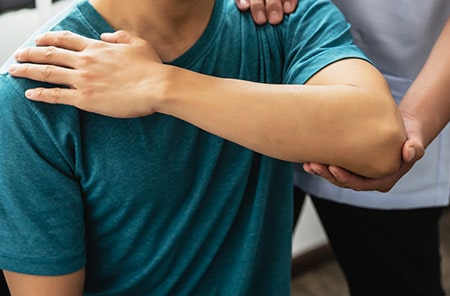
[46,55]
[289,6]
[243,4]
[44,73]
[412,151]
[57,48]
[64,96]
[307,168]
[329,173]
[50,95]
[275,11]
[120,36]
[268,10]
[277,8]
[64,39]
[345,179]
[258,11]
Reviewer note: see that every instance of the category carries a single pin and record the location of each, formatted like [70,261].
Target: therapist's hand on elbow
[412,151]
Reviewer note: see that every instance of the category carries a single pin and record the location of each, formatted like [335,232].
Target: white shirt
[397,35]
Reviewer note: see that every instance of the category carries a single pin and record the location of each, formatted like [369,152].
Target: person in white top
[386,239]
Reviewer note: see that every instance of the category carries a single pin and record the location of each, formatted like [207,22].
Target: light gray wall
[17,26]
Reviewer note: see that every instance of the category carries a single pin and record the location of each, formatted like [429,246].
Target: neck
[171,26]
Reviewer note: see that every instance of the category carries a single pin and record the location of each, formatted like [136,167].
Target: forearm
[428,99]
[33,285]
[340,124]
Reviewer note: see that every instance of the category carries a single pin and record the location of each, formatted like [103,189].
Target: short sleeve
[316,35]
[41,208]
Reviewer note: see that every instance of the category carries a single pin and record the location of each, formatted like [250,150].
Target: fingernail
[334,172]
[274,16]
[37,39]
[29,93]
[311,172]
[260,17]
[17,54]
[316,172]
[287,7]
[12,68]
[412,154]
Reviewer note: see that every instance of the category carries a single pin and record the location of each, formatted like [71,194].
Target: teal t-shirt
[154,205]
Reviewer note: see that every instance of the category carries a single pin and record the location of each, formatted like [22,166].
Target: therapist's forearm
[428,98]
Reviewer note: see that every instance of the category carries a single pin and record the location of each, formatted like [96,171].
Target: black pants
[3,287]
[384,252]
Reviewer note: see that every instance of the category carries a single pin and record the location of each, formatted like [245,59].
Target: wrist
[178,87]
[165,89]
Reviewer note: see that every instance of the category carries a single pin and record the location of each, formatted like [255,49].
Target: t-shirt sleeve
[41,208]
[316,35]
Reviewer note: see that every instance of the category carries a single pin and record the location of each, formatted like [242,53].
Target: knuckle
[39,92]
[86,58]
[65,35]
[55,94]
[47,71]
[84,76]
[272,4]
[24,54]
[25,68]
[257,5]
[85,93]
[49,52]
[122,33]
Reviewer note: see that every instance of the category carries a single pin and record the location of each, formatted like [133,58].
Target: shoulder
[317,15]
[32,120]
[315,36]
[11,94]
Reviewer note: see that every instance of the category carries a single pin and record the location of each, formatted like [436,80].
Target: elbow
[386,147]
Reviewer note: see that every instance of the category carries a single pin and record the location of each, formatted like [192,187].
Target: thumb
[409,153]
[120,36]
[412,151]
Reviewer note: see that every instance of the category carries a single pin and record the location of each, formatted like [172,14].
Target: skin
[429,94]
[254,115]
[30,285]
[271,11]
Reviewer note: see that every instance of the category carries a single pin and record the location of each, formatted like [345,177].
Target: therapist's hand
[413,150]
[107,78]
[263,10]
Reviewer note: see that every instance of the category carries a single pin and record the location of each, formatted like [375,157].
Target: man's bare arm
[32,285]
[343,116]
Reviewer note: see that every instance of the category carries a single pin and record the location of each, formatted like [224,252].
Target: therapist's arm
[32,285]
[425,110]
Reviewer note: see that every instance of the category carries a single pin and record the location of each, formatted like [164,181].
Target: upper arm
[355,96]
[352,72]
[41,206]
[32,285]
